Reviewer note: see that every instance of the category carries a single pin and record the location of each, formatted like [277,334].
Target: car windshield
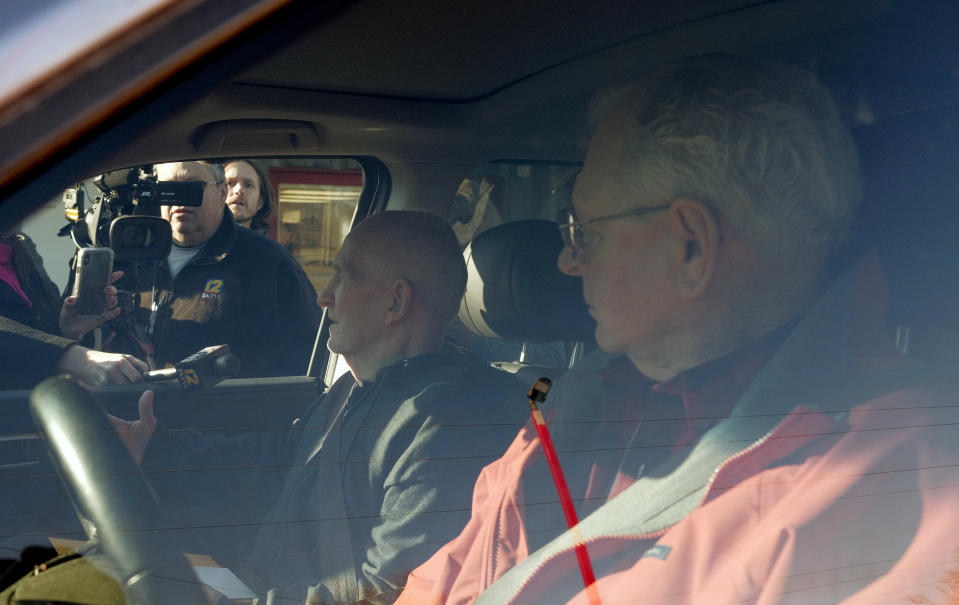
[582,303]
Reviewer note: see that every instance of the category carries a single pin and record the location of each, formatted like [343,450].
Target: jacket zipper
[491,576]
[659,532]
[155,305]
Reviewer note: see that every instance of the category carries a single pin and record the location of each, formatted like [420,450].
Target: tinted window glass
[500,192]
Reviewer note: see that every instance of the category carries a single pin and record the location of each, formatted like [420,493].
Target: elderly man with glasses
[219,285]
[747,432]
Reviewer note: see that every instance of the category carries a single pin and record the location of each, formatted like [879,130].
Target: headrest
[515,290]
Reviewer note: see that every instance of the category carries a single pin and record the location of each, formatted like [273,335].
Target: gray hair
[762,143]
[214,171]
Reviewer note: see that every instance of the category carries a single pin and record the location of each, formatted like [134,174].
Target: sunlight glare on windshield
[37,37]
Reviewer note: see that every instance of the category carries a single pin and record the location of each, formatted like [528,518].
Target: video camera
[125,213]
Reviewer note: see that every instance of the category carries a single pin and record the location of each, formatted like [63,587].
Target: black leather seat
[516,293]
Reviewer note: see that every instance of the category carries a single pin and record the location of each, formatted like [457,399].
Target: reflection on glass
[500,192]
[313,220]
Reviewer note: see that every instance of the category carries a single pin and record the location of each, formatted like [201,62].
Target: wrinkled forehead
[184,171]
[599,184]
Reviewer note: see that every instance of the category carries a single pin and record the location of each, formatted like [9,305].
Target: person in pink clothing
[747,433]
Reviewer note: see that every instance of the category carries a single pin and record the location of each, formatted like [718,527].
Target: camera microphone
[118,178]
[201,370]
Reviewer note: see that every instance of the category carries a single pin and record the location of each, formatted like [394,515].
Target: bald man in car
[378,470]
[747,433]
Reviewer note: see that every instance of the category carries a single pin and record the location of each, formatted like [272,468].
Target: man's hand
[97,368]
[75,325]
[136,434]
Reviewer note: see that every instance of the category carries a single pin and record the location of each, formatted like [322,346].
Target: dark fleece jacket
[241,289]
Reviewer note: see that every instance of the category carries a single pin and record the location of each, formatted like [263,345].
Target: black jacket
[355,511]
[28,340]
[241,289]
[29,355]
[44,313]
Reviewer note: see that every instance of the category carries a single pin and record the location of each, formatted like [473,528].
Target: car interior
[439,103]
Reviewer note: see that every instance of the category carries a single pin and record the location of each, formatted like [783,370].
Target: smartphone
[94,266]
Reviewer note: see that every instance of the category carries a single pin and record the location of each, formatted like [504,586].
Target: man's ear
[700,235]
[402,300]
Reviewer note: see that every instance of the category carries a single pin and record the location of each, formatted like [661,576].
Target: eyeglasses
[576,238]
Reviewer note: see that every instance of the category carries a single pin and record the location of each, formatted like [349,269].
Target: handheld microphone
[201,370]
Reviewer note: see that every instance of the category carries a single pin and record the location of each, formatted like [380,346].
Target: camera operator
[220,284]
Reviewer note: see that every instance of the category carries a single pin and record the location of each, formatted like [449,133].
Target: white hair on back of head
[762,143]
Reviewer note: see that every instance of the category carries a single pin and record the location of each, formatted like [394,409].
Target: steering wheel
[109,489]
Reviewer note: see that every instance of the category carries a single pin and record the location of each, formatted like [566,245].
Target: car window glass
[500,192]
[315,200]
[811,449]
[313,204]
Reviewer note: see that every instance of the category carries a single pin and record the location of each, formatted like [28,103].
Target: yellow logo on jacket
[213,286]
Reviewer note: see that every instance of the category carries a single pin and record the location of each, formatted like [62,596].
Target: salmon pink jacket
[835,479]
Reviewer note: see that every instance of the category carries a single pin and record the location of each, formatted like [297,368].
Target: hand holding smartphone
[94,266]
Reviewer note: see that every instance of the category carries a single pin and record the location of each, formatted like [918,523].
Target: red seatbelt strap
[538,393]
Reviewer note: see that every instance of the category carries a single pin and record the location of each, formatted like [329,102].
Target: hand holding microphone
[201,370]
